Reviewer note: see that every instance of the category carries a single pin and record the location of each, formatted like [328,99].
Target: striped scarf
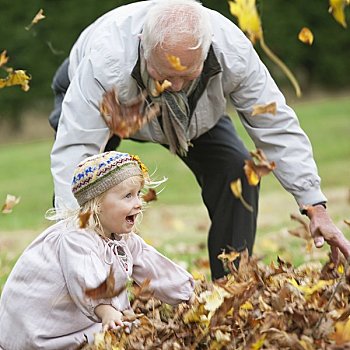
[175,111]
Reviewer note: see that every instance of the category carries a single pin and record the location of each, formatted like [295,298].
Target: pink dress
[43,304]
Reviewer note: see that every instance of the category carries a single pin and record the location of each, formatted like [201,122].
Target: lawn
[177,223]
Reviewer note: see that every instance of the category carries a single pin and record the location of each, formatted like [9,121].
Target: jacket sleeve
[83,269]
[279,136]
[81,132]
[169,281]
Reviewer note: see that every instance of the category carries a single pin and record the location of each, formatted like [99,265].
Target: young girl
[45,304]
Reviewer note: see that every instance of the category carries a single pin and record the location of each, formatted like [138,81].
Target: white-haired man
[130,49]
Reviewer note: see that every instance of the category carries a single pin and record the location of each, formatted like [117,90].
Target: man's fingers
[319,241]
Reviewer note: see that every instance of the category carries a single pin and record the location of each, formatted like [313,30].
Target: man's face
[160,68]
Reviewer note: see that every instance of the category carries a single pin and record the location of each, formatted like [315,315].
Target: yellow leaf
[236,188]
[176,63]
[10,202]
[160,87]
[38,17]
[309,290]
[248,18]
[306,36]
[252,177]
[341,334]
[3,58]
[17,77]
[269,108]
[336,8]
[259,343]
[197,276]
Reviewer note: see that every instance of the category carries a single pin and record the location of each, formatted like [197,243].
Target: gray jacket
[105,56]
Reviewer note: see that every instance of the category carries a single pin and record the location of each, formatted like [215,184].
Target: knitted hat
[99,173]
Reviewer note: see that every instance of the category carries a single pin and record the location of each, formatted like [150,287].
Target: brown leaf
[84,219]
[124,119]
[10,202]
[150,196]
[106,289]
[3,58]
[347,222]
[38,17]
[269,108]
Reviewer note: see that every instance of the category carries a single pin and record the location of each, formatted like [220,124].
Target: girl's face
[120,206]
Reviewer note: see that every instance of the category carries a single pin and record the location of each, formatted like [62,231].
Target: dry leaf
[106,289]
[3,58]
[84,219]
[306,36]
[254,170]
[38,17]
[341,334]
[336,8]
[150,196]
[236,188]
[347,222]
[10,202]
[175,63]
[270,108]
[160,87]
[124,119]
[248,18]
[17,77]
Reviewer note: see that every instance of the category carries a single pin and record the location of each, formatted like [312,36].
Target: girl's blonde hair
[87,215]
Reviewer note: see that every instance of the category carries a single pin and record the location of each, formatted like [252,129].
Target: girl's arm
[170,282]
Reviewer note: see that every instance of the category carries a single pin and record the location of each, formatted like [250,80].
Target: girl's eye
[138,193]
[128,195]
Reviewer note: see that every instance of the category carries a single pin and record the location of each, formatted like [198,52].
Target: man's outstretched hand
[323,229]
[124,119]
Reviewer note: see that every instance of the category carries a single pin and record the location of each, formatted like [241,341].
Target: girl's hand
[110,317]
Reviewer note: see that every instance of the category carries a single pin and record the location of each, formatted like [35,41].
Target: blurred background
[177,222]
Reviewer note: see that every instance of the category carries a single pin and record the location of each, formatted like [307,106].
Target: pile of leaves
[257,306]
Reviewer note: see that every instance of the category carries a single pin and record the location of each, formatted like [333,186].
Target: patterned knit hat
[99,173]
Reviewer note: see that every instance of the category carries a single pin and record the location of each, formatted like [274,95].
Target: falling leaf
[236,188]
[251,175]
[336,8]
[10,202]
[124,119]
[248,18]
[3,58]
[230,257]
[302,231]
[254,170]
[306,36]
[38,17]
[269,108]
[341,334]
[160,87]
[84,219]
[347,222]
[150,196]
[17,77]
[175,62]
[106,289]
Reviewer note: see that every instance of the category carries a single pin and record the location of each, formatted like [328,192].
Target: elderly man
[188,60]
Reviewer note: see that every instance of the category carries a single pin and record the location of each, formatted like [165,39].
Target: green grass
[26,167]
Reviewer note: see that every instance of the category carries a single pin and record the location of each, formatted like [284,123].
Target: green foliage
[41,49]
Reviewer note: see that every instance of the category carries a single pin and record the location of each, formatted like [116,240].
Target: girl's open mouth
[130,219]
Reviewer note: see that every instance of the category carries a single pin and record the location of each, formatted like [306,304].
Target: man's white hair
[172,22]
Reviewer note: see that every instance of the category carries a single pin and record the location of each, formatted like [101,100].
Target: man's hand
[323,229]
[110,317]
[124,119]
